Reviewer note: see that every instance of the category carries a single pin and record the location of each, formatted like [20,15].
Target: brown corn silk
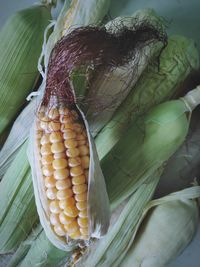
[68,182]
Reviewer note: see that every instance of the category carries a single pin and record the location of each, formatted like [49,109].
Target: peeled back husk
[166,228]
[19,53]
[146,145]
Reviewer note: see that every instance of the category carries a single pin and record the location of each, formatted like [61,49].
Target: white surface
[185,19]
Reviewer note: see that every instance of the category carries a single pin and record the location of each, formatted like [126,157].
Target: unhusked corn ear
[64,175]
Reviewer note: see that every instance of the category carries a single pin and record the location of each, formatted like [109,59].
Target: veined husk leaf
[18,56]
[16,194]
[114,80]
[146,145]
[106,95]
[153,84]
[166,227]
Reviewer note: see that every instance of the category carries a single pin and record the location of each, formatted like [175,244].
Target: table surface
[183,17]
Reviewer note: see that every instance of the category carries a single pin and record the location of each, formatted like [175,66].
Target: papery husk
[165,229]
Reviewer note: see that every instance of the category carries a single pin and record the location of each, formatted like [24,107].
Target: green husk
[147,144]
[17,203]
[19,52]
[156,85]
[168,226]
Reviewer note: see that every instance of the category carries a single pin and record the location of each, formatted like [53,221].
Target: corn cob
[65,159]
[151,73]
[18,48]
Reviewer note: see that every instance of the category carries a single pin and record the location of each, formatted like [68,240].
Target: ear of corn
[151,73]
[157,229]
[177,61]
[154,138]
[19,53]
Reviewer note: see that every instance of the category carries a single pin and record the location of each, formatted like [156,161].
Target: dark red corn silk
[95,47]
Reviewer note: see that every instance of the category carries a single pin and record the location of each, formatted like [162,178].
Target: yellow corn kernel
[79,189]
[44,123]
[78,128]
[76,171]
[54,207]
[73,162]
[54,219]
[65,119]
[45,139]
[47,159]
[81,142]
[50,182]
[78,180]
[81,205]
[64,111]
[54,126]
[72,152]
[51,193]
[39,134]
[55,137]
[63,184]
[80,137]
[59,230]
[83,150]
[66,126]
[69,134]
[83,213]
[47,170]
[53,113]
[61,174]
[75,235]
[64,219]
[59,164]
[85,162]
[67,202]
[71,211]
[45,150]
[83,222]
[84,231]
[64,194]
[57,147]
[86,172]
[70,143]
[72,227]
[81,197]
[59,155]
